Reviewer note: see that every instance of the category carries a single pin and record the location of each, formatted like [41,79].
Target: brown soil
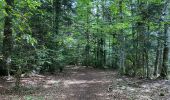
[80,83]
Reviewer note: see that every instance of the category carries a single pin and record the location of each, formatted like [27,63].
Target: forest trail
[86,84]
[75,83]
[81,83]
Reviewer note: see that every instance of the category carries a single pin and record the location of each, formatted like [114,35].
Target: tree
[165,64]
[8,39]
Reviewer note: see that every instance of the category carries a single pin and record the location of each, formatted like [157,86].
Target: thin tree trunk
[57,12]
[146,52]
[165,63]
[157,62]
[164,69]
[122,38]
[87,48]
[134,44]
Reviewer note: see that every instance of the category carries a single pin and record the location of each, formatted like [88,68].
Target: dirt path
[75,83]
[86,84]
[80,83]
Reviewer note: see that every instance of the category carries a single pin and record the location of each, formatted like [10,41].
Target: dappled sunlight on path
[81,83]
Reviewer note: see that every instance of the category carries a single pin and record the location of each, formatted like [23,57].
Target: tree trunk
[87,48]
[122,40]
[157,59]
[57,12]
[7,40]
[164,68]
[165,63]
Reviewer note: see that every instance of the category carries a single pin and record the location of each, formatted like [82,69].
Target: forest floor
[80,83]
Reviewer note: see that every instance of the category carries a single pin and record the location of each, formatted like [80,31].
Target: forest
[84,49]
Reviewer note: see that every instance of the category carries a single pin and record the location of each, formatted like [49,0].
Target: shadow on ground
[81,83]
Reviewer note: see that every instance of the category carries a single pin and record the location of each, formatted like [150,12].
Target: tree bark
[165,63]
[7,40]
[57,12]
[157,59]
[164,68]
[122,39]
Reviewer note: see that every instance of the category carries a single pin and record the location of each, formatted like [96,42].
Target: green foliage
[98,33]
